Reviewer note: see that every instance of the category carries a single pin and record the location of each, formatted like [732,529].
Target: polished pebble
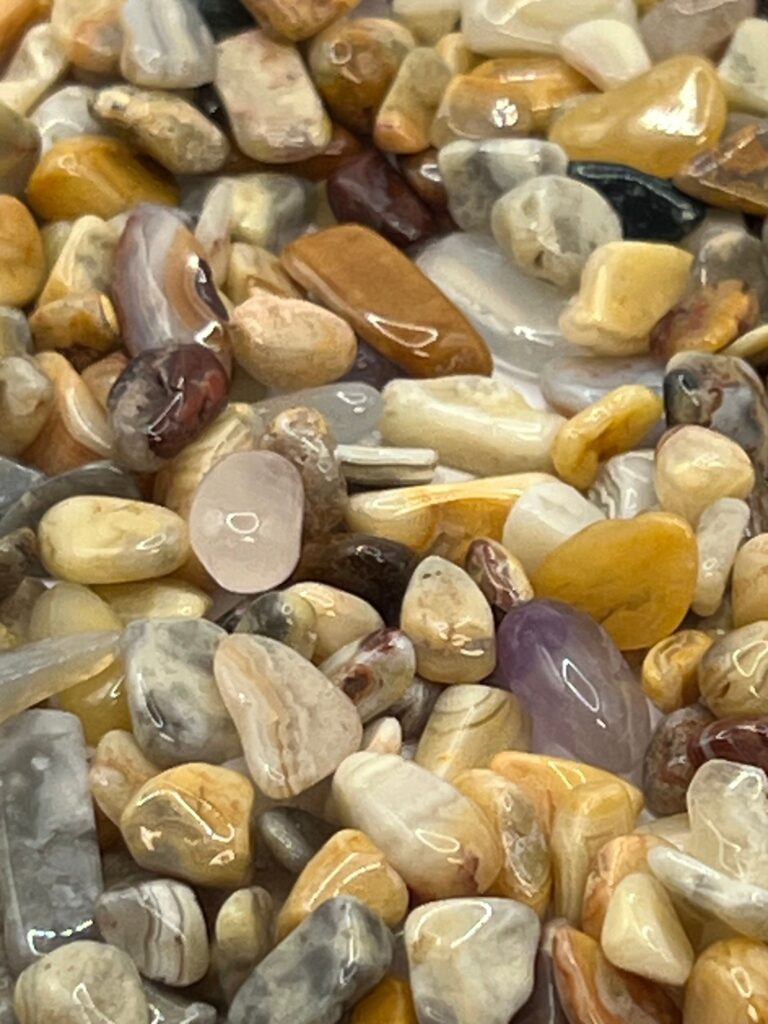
[668,767]
[670,669]
[732,673]
[731,174]
[728,984]
[720,531]
[165,48]
[619,857]
[293,836]
[374,672]
[607,51]
[500,576]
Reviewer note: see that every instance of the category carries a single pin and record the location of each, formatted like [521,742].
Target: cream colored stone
[719,533]
[642,933]
[743,70]
[456,55]
[626,288]
[155,599]
[22,260]
[608,51]
[696,466]
[474,423]
[383,736]
[342,618]
[85,260]
[243,928]
[404,119]
[38,63]
[749,588]
[625,855]
[118,771]
[733,674]
[26,399]
[93,539]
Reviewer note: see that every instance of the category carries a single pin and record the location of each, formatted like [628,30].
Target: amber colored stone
[368,190]
[423,175]
[118,771]
[671,669]
[729,984]
[298,19]
[353,63]
[82,326]
[404,119]
[636,577]
[656,122]
[15,18]
[733,174]
[546,82]
[22,263]
[707,319]
[390,1002]
[387,300]
[349,864]
[480,108]
[441,518]
[622,856]
[93,174]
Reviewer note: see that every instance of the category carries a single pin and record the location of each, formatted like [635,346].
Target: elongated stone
[51,875]
[374,672]
[742,70]
[243,928]
[85,974]
[467,726]
[733,673]
[670,669]
[667,767]
[386,466]
[293,836]
[160,925]
[542,83]
[21,263]
[118,770]
[732,174]
[168,48]
[460,954]
[275,112]
[403,808]
[21,147]
[38,63]
[26,402]
[255,674]
[355,949]
[719,533]
[340,618]
[167,598]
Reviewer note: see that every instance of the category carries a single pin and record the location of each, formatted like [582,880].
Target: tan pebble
[26,400]
[82,325]
[749,587]
[90,33]
[22,262]
[251,268]
[733,674]
[342,618]
[670,669]
[297,19]
[85,260]
[457,56]
[243,929]
[404,118]
[707,319]
[719,532]
[383,736]
[101,376]
[729,984]
[155,599]
[619,857]
[118,771]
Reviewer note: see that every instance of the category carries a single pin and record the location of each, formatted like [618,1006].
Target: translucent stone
[436,838]
[474,107]
[571,383]
[404,118]
[22,265]
[169,911]
[728,983]
[707,319]
[383,736]
[541,83]
[341,618]
[275,112]
[90,33]
[21,147]
[351,410]
[65,115]
[374,672]
[51,875]
[743,70]
[624,485]
[26,401]
[471,960]
[720,531]
[730,174]
[625,855]
[670,669]
[608,51]
[165,48]
[673,27]
[37,64]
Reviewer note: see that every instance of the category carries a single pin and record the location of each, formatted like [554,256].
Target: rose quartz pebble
[245,521]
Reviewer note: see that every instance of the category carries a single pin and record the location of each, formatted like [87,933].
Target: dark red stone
[422,173]
[743,740]
[668,768]
[368,190]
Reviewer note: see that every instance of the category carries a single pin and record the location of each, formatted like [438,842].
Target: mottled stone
[21,147]
[293,836]
[81,327]
[85,260]
[733,174]
[707,319]
[728,984]
[90,33]
[374,672]
[351,409]
[298,21]
[667,767]
[340,618]
[51,875]
[251,268]
[608,51]
[280,615]
[499,574]
[118,770]
[165,48]
[670,669]
[267,209]
[743,71]
[404,119]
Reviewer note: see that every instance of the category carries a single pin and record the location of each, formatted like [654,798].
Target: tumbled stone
[66,114]
[474,108]
[571,383]
[728,984]
[81,326]
[624,485]
[38,63]
[748,590]
[169,1008]
[626,287]
[17,16]
[617,858]
[467,726]
[353,64]
[415,707]
[733,173]
[90,33]
[706,319]
[720,531]
[15,614]
[298,21]
[743,71]
[484,426]
[471,959]
[267,209]
[403,808]
[667,767]
[732,673]
[670,669]
[85,977]
[696,466]
[542,83]
[118,770]
[340,618]
[500,576]
[15,335]
[742,740]
[520,27]
[629,124]
[293,836]
[106,540]
[224,17]
[16,480]
[404,119]
[168,48]
[192,822]
[383,466]
[166,598]
[168,911]
[85,260]
[243,928]
[21,147]
[391,1002]
[355,949]
[383,736]
[672,27]
[276,115]
[21,263]
[534,225]
[334,264]
[255,674]
[351,410]
[374,672]
[608,51]
[251,268]
[281,615]
[18,558]
[26,402]
[608,571]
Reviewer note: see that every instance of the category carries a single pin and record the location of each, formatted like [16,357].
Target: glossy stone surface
[471,959]
[89,33]
[293,836]
[335,264]
[742,70]
[243,929]
[543,518]
[748,589]
[707,319]
[733,673]
[282,616]
[500,576]
[728,984]
[720,531]
[38,63]
[570,383]
[323,968]
[607,51]
[169,1008]
[733,174]
[83,259]
[26,402]
[374,672]
[118,770]
[192,822]
[743,740]
[672,27]
[83,327]
[638,580]
[540,84]
[619,857]
[667,767]
[385,466]
[655,123]
[168,48]
[404,119]
[390,1002]
[21,260]
[168,911]
[533,641]
[624,485]
[437,839]
[340,617]
[298,21]
[51,873]
[478,108]
[17,17]
[351,409]
[670,669]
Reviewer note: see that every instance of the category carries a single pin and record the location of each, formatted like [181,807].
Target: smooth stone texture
[720,531]
[168,1008]
[160,925]
[571,383]
[375,672]
[83,259]
[607,720]
[165,48]
[293,836]
[670,669]
[245,521]
[243,928]
[267,209]
[15,335]
[732,673]
[21,148]
[90,33]
[471,960]
[16,479]
[298,21]
[167,598]
[390,1002]
[636,577]
[733,173]
[295,726]
[38,63]
[383,466]
[437,839]
[499,575]
[280,615]
[118,770]
[340,617]
[748,588]
[743,70]
[65,115]
[672,27]
[405,116]
[415,707]
[18,558]
[22,266]
[728,984]
[176,710]
[51,872]
[668,767]
[383,736]
[83,978]
[351,409]
[333,958]
[624,485]
[475,424]
[619,857]
[26,403]
[475,107]
[550,225]
[608,51]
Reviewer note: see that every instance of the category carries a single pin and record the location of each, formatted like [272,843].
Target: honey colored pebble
[696,466]
[732,174]
[613,424]
[22,263]
[390,1002]
[404,119]
[480,108]
[341,618]
[93,174]
[298,19]
[253,269]
[545,81]
[626,287]
[95,539]
[670,669]
[349,864]
[155,599]
[192,822]
[15,18]
[619,857]
[729,984]
[733,674]
[749,585]
[118,770]
[655,122]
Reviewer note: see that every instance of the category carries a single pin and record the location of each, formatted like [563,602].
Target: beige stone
[118,770]
[85,260]
[719,533]
[243,928]
[743,71]
[82,326]
[404,119]
[729,984]
[38,63]
[155,599]
[670,669]
[342,618]
[22,262]
[251,268]
[749,587]
[625,855]
[89,32]
[607,51]
[733,674]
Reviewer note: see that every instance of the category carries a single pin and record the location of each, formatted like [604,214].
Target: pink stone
[245,521]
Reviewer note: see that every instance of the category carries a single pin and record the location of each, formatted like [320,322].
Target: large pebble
[728,984]
[340,618]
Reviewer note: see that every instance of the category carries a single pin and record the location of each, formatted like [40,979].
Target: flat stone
[519,26]
[670,669]
[65,115]
[170,48]
[118,771]
[21,149]
[51,871]
[384,466]
[713,995]
[21,264]
[374,672]
[625,855]
[672,27]
[404,119]
[624,486]
[354,948]
[460,954]
[732,174]
[311,726]
[177,953]
[608,51]
[293,836]
[720,532]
